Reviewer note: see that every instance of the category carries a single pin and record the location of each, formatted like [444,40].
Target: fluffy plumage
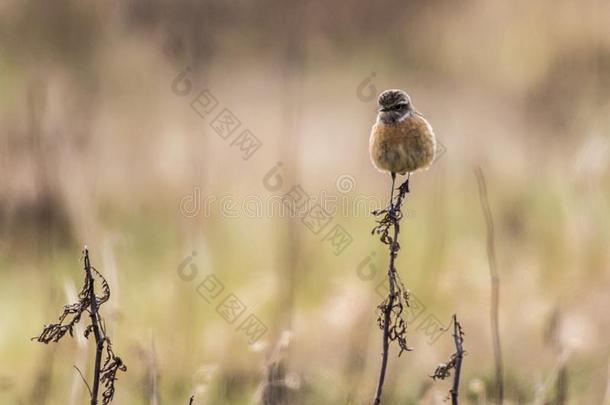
[402,141]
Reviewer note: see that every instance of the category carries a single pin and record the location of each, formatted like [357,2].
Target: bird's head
[394,105]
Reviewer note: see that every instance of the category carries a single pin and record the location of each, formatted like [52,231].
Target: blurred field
[96,148]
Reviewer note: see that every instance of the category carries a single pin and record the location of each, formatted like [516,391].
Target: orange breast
[403,147]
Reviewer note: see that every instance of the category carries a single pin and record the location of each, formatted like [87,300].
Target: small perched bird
[401,140]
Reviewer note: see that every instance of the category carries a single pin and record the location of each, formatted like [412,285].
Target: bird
[402,141]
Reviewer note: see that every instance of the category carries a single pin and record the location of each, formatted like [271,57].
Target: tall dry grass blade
[495,285]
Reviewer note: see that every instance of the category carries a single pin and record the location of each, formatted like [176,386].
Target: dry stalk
[88,302]
[391,317]
[455,362]
[495,285]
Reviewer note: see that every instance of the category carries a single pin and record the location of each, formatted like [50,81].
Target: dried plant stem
[495,285]
[455,362]
[386,328]
[95,324]
[88,302]
[394,328]
[388,309]
[458,338]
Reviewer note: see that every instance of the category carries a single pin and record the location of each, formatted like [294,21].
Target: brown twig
[391,319]
[89,302]
[495,285]
[95,327]
[455,362]
[458,337]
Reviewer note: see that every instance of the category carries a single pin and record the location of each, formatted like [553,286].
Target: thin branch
[455,362]
[84,380]
[458,337]
[495,284]
[89,303]
[192,400]
[95,327]
[391,319]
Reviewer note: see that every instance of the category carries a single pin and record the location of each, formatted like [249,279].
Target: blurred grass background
[96,149]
